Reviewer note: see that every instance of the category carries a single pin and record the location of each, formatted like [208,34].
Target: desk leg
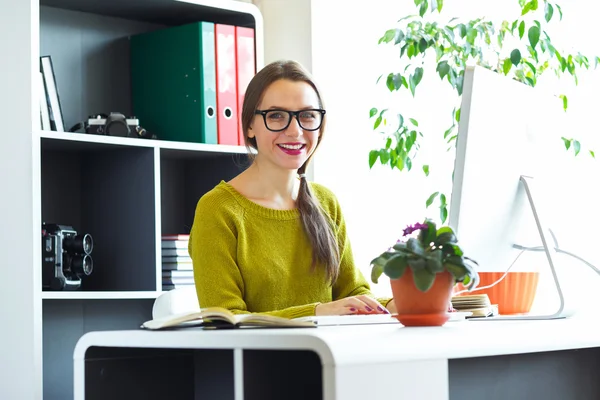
[423,380]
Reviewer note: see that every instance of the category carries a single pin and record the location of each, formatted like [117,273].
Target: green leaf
[431,199]
[394,82]
[414,121]
[443,213]
[459,272]
[427,236]
[384,156]
[460,79]
[395,266]
[448,131]
[373,155]
[400,246]
[426,170]
[388,143]
[388,36]
[434,261]
[565,101]
[413,245]
[531,66]
[506,66]
[592,154]
[372,112]
[423,45]
[399,36]
[382,258]
[559,11]
[521,29]
[377,122]
[515,57]
[445,235]
[443,68]
[534,36]
[423,8]
[462,30]
[567,142]
[576,146]
[423,279]
[471,35]
[376,272]
[548,11]
[440,5]
[418,75]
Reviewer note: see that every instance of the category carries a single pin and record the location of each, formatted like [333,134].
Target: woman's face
[290,148]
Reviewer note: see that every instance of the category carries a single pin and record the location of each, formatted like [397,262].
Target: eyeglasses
[279,120]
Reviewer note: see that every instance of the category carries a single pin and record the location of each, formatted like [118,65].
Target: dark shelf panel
[166,12]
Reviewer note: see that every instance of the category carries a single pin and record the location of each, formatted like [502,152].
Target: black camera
[66,257]
[116,124]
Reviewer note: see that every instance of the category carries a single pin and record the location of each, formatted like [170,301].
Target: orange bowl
[513,295]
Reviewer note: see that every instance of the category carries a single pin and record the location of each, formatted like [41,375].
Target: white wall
[287,26]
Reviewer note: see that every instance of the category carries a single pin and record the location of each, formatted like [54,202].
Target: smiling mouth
[292,147]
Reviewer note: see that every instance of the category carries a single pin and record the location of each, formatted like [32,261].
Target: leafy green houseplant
[519,48]
[423,267]
[430,252]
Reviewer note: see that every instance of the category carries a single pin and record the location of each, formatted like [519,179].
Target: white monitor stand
[565,309]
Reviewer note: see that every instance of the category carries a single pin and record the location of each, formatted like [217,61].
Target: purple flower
[410,229]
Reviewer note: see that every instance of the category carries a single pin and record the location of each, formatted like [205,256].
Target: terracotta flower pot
[417,308]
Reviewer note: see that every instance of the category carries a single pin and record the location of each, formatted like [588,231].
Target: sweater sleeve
[213,249]
[351,281]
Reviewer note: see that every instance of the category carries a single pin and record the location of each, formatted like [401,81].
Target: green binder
[173,82]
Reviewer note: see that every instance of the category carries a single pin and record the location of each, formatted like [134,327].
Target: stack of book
[177,268]
[478,304]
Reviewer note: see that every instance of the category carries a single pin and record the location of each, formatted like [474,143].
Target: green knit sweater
[252,259]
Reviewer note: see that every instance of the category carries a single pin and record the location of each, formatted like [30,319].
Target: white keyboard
[331,320]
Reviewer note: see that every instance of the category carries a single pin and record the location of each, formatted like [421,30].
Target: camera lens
[82,265]
[79,244]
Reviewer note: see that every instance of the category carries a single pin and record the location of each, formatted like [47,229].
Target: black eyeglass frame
[292,114]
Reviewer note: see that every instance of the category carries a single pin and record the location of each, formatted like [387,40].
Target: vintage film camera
[113,124]
[116,124]
[66,257]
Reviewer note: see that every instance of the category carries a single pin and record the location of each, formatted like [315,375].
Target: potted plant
[423,268]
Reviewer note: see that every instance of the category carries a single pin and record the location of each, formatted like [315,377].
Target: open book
[217,317]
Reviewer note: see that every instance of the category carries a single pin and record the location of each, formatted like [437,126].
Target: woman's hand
[351,305]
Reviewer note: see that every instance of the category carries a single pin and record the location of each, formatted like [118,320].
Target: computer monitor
[508,148]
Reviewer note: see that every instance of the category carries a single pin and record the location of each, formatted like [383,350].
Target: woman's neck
[272,188]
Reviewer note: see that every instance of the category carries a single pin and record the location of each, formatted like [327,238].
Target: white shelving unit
[125,192]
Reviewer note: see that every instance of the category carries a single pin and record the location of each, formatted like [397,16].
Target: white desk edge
[365,344]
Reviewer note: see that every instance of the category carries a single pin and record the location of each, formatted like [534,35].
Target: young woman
[268,241]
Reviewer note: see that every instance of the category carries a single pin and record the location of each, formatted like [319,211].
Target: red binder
[227,109]
[246,69]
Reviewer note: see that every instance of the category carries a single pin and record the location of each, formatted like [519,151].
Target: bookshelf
[125,192]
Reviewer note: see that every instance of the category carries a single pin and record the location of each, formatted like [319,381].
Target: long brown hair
[317,226]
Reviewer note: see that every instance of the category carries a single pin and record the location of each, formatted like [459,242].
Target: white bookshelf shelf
[68,140]
[74,295]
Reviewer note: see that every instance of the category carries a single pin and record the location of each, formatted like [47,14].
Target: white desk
[557,359]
